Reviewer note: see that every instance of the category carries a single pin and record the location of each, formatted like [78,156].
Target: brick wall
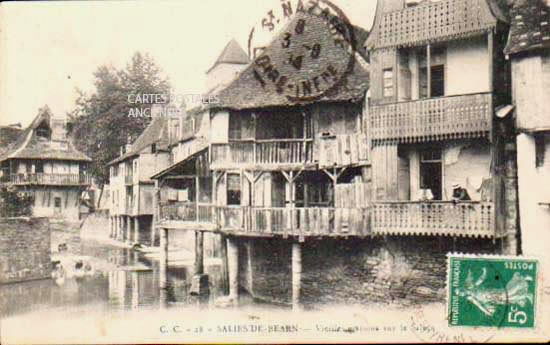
[402,270]
[24,249]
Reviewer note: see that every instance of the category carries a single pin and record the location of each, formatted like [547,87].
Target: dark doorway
[431,172]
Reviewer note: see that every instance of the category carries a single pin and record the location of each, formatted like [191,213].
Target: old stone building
[43,162]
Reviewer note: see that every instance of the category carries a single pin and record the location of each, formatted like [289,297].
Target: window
[153,148]
[431,172]
[437,72]
[43,132]
[39,167]
[540,150]
[57,202]
[233,189]
[387,76]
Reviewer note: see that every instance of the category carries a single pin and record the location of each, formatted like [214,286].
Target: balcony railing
[48,179]
[277,151]
[434,21]
[434,218]
[433,119]
[187,212]
[307,221]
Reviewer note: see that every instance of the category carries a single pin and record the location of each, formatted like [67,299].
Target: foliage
[101,124]
[15,203]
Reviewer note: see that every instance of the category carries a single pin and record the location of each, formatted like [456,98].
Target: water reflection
[123,279]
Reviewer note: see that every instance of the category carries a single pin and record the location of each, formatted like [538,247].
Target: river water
[119,279]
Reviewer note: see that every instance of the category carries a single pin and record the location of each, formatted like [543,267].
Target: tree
[14,203]
[101,123]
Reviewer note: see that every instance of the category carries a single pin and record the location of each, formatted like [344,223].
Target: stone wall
[401,270]
[24,249]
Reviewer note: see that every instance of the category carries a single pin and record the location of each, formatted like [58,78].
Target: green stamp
[491,291]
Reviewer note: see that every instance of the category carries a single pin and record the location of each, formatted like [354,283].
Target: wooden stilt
[224,268]
[296,275]
[163,262]
[249,275]
[233,265]
[199,252]
[136,230]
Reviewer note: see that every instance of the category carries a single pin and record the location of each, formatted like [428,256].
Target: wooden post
[490,48]
[136,230]
[429,69]
[156,212]
[111,227]
[199,253]
[233,266]
[296,275]
[224,268]
[249,276]
[163,262]
[197,193]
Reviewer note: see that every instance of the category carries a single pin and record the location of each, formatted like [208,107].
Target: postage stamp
[492,291]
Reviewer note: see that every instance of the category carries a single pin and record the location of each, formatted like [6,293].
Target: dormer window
[43,132]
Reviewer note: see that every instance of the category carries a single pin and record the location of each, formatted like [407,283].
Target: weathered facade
[364,175]
[529,52]
[43,162]
[131,190]
[437,76]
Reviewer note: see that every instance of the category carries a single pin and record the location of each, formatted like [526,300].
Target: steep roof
[246,92]
[233,54]
[155,133]
[29,145]
[530,28]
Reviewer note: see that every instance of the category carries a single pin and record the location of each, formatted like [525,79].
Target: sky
[49,49]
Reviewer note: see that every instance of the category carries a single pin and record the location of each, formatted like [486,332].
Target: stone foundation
[24,249]
[401,270]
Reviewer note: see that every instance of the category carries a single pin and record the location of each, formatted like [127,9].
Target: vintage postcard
[274,171]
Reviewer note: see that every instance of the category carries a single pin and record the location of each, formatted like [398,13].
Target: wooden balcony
[267,221]
[187,212]
[462,219]
[262,153]
[434,21]
[431,119]
[302,222]
[48,179]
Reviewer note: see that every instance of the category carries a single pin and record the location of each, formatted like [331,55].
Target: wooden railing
[433,119]
[187,212]
[309,221]
[434,21]
[48,179]
[434,218]
[277,151]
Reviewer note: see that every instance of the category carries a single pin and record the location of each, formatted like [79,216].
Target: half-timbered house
[43,162]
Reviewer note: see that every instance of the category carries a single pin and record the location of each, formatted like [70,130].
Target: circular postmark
[302,50]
